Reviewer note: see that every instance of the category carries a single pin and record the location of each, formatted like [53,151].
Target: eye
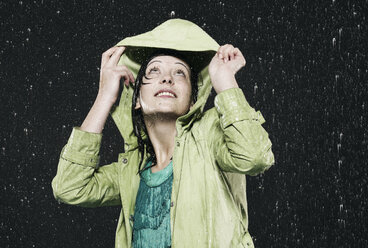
[180,72]
[153,70]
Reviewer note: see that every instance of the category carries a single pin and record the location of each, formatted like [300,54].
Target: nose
[167,79]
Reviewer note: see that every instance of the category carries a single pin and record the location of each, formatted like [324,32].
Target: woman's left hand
[224,65]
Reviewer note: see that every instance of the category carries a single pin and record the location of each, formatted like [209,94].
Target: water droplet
[337,78]
[255,88]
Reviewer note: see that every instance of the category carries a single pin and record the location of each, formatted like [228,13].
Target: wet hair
[137,115]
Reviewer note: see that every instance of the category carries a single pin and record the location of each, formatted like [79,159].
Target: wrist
[222,84]
[104,100]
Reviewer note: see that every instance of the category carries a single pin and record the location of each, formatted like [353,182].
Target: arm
[240,143]
[79,181]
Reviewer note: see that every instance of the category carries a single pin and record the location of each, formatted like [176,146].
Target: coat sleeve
[79,180]
[238,142]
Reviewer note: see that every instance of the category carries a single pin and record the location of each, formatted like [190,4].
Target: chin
[166,112]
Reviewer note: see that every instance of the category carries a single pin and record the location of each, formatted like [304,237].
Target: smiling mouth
[165,94]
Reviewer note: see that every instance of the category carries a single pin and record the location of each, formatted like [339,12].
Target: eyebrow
[153,62]
[182,65]
[175,63]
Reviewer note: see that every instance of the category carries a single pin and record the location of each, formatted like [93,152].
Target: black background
[306,72]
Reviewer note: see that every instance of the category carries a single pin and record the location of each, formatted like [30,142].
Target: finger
[115,56]
[232,53]
[132,79]
[106,55]
[228,53]
[238,54]
[124,75]
[221,50]
[128,73]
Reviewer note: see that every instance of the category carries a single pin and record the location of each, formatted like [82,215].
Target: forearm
[96,118]
[243,143]
[79,179]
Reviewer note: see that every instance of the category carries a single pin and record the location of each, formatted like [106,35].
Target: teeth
[165,94]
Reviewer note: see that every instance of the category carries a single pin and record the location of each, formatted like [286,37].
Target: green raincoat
[213,151]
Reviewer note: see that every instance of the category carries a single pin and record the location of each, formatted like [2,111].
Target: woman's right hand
[111,73]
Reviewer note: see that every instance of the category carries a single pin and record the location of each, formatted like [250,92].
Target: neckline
[158,172]
[157,178]
[150,169]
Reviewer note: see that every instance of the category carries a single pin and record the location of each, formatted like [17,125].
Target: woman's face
[166,89]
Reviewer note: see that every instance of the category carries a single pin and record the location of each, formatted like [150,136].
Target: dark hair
[137,115]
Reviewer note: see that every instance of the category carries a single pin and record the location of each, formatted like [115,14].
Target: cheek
[144,100]
[188,92]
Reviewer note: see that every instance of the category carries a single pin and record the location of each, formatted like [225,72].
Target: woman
[190,189]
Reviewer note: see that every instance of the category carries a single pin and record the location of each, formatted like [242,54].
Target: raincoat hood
[176,34]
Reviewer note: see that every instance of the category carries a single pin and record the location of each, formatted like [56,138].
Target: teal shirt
[151,226]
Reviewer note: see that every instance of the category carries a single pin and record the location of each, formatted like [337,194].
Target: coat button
[172,204]
[177,143]
[125,160]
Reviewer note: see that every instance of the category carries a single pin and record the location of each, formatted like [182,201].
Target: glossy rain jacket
[213,151]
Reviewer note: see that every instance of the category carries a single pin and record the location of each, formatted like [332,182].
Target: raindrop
[255,88]
[338,148]
[333,41]
[337,78]
[172,14]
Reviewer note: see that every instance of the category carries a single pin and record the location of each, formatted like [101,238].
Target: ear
[137,104]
